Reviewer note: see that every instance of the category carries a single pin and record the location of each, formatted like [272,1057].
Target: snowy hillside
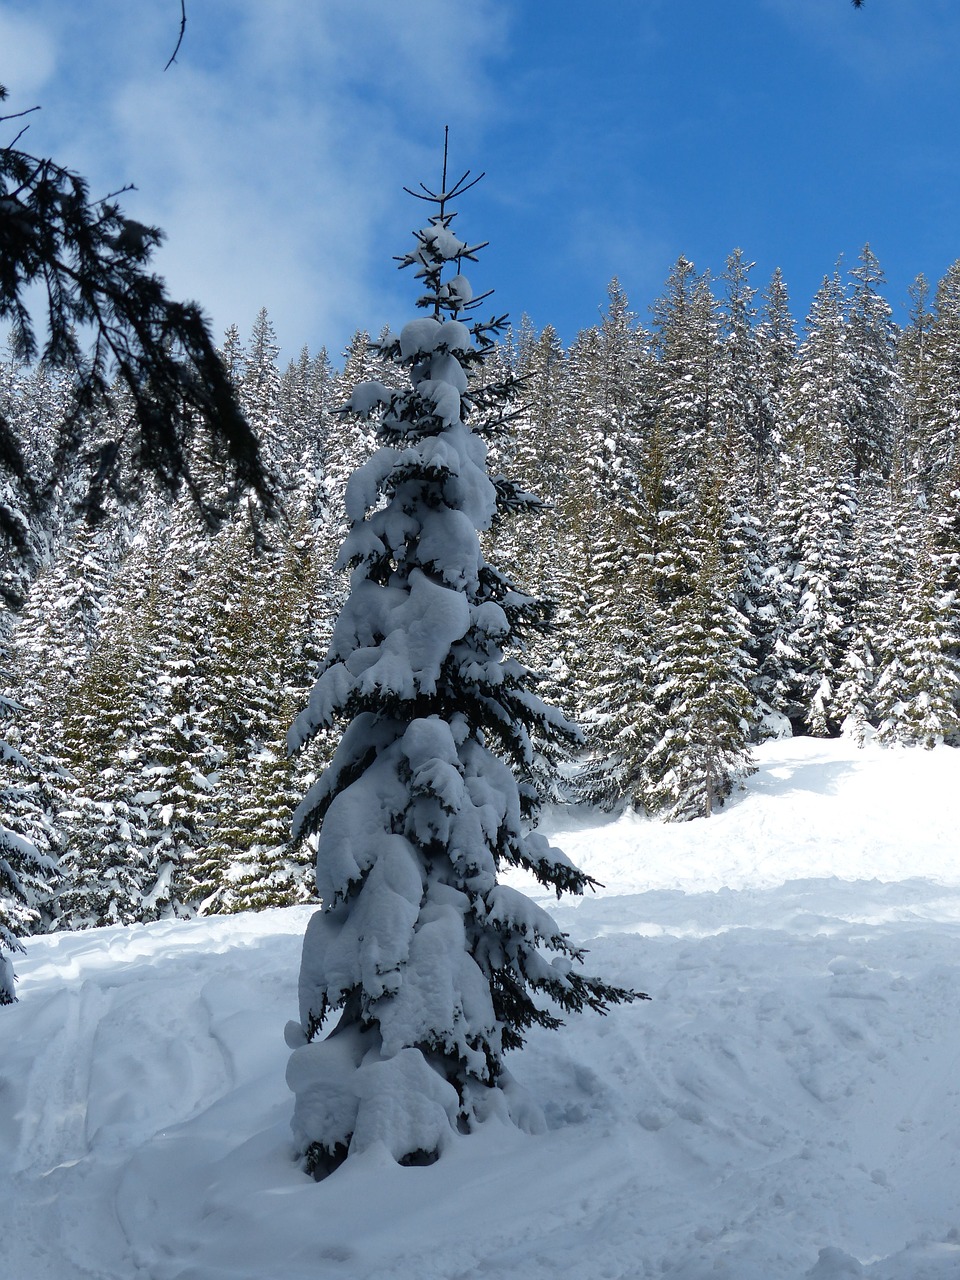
[787,1106]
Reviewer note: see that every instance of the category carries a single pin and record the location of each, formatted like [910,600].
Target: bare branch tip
[183,28]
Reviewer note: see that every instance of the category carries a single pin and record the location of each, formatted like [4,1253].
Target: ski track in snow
[787,1106]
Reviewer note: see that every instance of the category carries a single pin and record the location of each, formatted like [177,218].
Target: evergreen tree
[678,525]
[432,965]
[746,428]
[812,533]
[875,565]
[776,352]
[871,392]
[260,386]
[535,455]
[107,865]
[943,423]
[25,872]
[687,345]
[609,527]
[816,539]
[92,263]
[632,567]
[257,612]
[918,684]
[699,680]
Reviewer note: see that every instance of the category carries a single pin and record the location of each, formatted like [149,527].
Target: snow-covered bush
[433,967]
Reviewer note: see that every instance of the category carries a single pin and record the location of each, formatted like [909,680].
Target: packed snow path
[788,1105]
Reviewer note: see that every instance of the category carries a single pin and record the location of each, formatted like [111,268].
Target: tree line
[743,530]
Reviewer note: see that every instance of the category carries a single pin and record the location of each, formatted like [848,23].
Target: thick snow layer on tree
[786,1107]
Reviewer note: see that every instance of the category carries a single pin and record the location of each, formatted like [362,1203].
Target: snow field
[787,1106]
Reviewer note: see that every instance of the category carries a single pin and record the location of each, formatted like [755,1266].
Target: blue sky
[615,137]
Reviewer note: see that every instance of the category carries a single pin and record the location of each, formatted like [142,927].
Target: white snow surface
[787,1106]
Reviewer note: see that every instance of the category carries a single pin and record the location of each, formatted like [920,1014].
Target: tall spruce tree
[871,348]
[746,427]
[876,555]
[25,871]
[943,449]
[812,534]
[617,537]
[776,351]
[432,966]
[918,686]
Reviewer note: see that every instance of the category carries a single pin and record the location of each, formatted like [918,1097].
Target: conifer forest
[747,525]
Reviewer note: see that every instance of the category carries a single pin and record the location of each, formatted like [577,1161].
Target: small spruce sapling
[421,970]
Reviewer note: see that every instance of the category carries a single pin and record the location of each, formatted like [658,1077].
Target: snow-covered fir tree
[421,970]
[744,418]
[701,707]
[876,558]
[917,698]
[26,872]
[812,525]
[930,376]
[871,375]
[612,527]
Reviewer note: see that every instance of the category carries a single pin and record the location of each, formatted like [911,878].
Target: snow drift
[787,1107]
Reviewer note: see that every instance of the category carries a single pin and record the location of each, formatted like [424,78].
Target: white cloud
[273,154]
[29,55]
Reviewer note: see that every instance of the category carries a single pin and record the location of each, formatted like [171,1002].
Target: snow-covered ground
[787,1106]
